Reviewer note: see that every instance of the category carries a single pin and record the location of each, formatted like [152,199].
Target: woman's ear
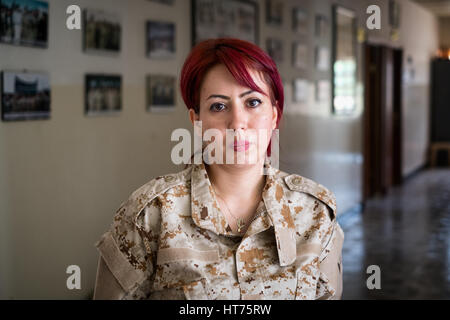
[193,116]
[274,116]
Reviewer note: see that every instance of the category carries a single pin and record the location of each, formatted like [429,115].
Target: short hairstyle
[238,56]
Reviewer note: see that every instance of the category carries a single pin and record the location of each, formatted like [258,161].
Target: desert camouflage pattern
[169,240]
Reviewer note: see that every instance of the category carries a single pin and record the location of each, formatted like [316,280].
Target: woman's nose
[238,117]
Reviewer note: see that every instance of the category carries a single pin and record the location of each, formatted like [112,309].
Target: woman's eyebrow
[228,98]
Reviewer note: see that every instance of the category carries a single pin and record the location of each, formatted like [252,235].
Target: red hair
[238,56]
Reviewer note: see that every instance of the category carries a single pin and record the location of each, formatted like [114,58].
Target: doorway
[382,119]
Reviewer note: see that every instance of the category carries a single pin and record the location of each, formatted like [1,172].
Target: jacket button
[168,178]
[297,181]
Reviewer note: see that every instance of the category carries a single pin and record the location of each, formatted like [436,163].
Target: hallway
[407,234]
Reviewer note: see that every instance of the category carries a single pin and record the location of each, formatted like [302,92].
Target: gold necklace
[239,221]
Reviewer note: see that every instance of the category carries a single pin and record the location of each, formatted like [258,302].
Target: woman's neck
[237,182]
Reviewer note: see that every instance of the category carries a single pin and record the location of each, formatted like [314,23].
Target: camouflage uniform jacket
[169,240]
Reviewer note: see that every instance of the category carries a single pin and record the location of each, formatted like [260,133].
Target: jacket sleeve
[125,263]
[330,283]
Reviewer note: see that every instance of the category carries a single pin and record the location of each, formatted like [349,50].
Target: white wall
[62,179]
[420,41]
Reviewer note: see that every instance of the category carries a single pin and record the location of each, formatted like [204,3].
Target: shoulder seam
[301,184]
[142,196]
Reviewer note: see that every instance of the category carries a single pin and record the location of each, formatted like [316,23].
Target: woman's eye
[216,107]
[253,103]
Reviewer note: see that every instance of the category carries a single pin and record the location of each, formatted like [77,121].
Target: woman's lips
[241,145]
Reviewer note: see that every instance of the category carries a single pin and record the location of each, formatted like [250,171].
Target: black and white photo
[25,96]
[225,19]
[102,31]
[103,94]
[160,92]
[24,22]
[160,39]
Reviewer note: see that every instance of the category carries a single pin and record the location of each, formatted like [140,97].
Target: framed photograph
[321,26]
[160,92]
[299,21]
[394,14]
[24,22]
[274,12]
[322,58]
[160,40]
[167,2]
[275,49]
[103,94]
[102,31]
[300,87]
[231,18]
[25,96]
[300,55]
[323,90]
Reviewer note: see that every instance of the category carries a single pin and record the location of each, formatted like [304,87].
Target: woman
[222,229]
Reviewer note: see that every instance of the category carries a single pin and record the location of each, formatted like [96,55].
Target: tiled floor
[406,234]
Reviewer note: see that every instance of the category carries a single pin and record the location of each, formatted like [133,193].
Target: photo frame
[25,95]
[394,14]
[344,61]
[275,49]
[160,40]
[231,18]
[103,94]
[101,31]
[300,90]
[274,12]
[323,90]
[160,92]
[300,55]
[165,2]
[322,58]
[322,26]
[300,21]
[24,22]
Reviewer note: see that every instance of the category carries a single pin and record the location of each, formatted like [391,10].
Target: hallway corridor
[407,234]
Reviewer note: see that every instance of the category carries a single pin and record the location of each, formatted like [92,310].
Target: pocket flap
[118,264]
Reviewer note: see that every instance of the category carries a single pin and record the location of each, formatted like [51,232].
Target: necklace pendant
[240,224]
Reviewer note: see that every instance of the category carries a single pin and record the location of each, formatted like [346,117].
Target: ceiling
[440,8]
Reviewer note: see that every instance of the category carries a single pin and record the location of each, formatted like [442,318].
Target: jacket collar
[206,213]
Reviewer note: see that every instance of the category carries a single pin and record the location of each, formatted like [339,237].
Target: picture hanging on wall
[231,18]
[160,40]
[102,31]
[300,93]
[25,96]
[24,22]
[300,55]
[167,2]
[160,92]
[321,26]
[274,12]
[323,90]
[103,94]
[322,58]
[300,21]
[275,49]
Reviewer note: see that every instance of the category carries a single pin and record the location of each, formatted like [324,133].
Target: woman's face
[248,115]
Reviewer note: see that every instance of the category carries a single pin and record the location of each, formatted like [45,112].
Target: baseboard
[414,172]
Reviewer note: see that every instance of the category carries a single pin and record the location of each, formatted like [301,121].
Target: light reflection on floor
[407,234]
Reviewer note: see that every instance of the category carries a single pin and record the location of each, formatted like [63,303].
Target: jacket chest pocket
[184,270]
[307,276]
